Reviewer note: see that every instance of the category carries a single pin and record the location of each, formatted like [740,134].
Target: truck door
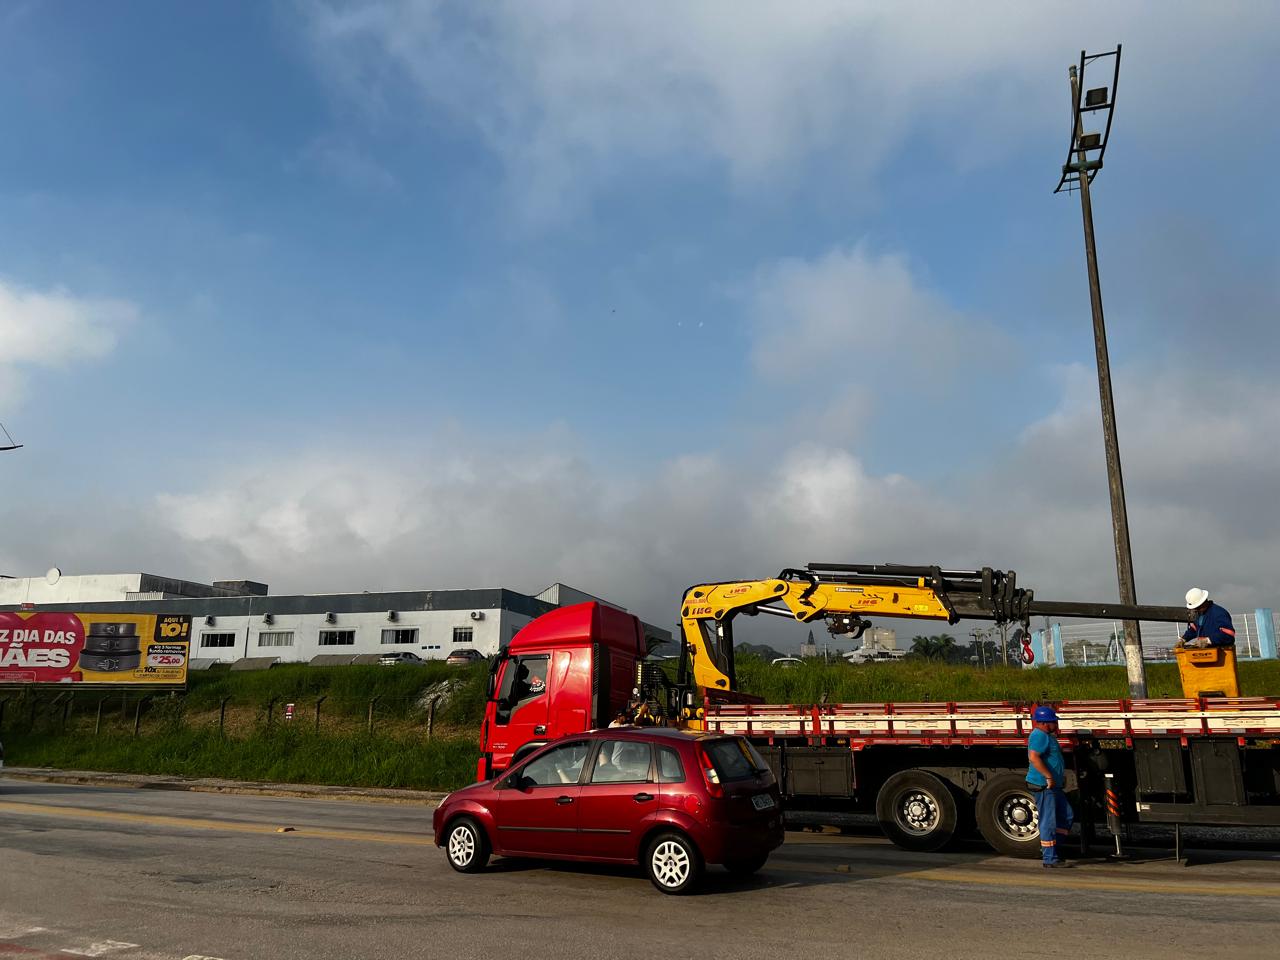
[521,709]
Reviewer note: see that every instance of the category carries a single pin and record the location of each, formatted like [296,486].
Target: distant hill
[761,650]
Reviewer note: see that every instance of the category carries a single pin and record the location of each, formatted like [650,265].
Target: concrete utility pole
[1084,169]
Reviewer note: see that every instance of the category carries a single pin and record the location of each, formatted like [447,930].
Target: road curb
[137,781]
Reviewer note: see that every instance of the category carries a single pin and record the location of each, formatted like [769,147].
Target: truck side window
[670,769]
[524,679]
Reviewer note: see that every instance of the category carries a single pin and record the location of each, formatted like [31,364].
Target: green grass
[347,689]
[180,737]
[277,754]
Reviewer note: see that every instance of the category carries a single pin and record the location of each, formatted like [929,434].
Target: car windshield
[734,759]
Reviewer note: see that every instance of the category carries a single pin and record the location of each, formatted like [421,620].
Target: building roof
[399,600]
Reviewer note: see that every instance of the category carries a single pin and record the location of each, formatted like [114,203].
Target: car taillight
[709,775]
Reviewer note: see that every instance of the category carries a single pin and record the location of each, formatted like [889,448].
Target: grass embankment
[278,755]
[181,736]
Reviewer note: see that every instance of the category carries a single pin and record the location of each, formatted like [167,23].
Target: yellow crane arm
[707,614]
[843,594]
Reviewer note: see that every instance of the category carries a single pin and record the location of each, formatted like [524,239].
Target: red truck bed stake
[995,723]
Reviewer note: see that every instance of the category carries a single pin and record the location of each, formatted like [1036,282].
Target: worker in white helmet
[1210,625]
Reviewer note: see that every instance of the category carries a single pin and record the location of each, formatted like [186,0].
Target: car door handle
[540,731]
[563,800]
[642,797]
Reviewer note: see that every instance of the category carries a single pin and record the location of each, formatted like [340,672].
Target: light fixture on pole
[9,444]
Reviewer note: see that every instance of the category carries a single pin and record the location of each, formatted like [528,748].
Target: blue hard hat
[1044,715]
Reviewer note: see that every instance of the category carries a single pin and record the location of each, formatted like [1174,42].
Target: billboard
[98,648]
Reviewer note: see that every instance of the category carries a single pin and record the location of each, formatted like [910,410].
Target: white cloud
[570,93]
[525,512]
[864,312]
[524,516]
[53,330]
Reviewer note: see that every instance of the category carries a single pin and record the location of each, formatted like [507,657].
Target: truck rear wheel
[917,811]
[1007,818]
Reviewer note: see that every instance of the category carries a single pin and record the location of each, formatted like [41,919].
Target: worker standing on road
[1211,625]
[1046,774]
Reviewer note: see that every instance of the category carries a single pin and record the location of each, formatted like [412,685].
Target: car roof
[645,733]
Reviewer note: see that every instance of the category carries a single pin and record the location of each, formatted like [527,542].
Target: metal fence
[1101,642]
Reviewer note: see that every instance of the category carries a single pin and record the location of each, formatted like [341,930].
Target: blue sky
[395,294]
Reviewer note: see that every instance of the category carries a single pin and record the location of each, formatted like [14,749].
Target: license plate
[763,801]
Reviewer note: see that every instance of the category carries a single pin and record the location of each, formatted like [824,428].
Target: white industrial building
[238,619]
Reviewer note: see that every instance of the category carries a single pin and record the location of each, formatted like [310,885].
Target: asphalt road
[130,874]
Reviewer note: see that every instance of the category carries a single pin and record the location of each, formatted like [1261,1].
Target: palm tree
[941,646]
[945,645]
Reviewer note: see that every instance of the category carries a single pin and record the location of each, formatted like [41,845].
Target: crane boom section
[843,594]
[709,609]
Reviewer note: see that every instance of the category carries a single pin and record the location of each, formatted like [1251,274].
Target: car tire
[1007,818]
[465,846]
[917,811]
[746,866]
[673,863]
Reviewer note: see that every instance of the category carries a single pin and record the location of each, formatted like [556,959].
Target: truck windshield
[734,759]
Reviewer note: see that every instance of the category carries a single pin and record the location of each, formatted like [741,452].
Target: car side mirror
[517,781]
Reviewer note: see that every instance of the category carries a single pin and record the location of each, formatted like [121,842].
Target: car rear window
[734,759]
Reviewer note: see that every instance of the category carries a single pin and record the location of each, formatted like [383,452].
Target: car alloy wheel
[466,846]
[673,863]
[462,845]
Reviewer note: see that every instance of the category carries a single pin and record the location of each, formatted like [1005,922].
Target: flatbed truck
[929,772]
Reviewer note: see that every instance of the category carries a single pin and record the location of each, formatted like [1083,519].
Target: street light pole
[1134,665]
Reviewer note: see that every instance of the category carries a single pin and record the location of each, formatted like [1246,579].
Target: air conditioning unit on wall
[477,614]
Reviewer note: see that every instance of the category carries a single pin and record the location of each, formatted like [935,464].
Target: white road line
[99,949]
[18,932]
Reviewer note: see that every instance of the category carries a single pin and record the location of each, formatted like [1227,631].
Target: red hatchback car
[670,801]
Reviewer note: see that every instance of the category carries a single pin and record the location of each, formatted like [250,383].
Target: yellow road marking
[1057,881]
[231,826]
[1023,877]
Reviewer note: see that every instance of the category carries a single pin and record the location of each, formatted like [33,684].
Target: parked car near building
[462,656]
[393,659]
[670,801]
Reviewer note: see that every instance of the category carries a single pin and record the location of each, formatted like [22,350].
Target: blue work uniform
[1055,813]
[1215,623]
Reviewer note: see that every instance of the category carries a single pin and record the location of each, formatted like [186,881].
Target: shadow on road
[791,866]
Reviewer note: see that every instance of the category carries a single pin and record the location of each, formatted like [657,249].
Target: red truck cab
[568,671]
